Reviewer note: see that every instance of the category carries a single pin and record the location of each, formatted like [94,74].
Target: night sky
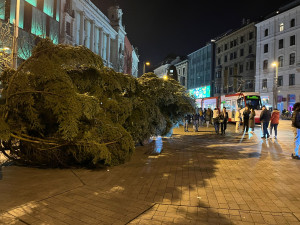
[160,27]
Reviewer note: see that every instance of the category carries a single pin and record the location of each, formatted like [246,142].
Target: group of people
[269,122]
[208,116]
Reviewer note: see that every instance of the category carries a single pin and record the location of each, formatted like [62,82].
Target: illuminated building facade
[82,23]
[37,19]
[201,71]
[278,40]
[235,60]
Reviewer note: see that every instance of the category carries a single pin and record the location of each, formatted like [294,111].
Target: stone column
[92,36]
[101,42]
[81,29]
[108,50]
[96,40]
[85,32]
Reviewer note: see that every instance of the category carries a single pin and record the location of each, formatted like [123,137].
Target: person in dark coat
[265,117]
[296,129]
[252,120]
[246,115]
[223,120]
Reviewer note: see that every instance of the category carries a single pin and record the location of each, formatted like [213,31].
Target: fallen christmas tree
[62,108]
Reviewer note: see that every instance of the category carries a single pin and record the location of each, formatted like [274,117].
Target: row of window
[292,60]
[236,69]
[183,71]
[281,27]
[248,85]
[233,55]
[280,81]
[235,42]
[281,43]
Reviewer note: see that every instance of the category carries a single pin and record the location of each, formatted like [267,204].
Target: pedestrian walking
[223,120]
[296,129]
[201,117]
[237,119]
[246,115]
[186,123]
[208,116]
[216,115]
[196,121]
[252,120]
[274,122]
[265,117]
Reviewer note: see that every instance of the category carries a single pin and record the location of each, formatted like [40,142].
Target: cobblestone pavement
[199,178]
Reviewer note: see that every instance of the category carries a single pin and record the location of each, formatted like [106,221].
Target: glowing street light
[275,87]
[144,68]
[165,77]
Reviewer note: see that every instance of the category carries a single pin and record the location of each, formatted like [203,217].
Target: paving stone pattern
[199,178]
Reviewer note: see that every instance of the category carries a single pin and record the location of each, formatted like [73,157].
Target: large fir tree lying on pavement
[62,107]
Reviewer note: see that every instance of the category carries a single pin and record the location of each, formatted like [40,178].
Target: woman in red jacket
[274,122]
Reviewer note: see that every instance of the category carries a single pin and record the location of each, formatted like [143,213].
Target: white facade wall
[182,71]
[135,63]
[162,70]
[288,94]
[91,28]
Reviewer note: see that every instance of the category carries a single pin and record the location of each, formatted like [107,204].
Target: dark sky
[160,27]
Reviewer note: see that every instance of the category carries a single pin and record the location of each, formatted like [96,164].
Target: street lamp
[165,77]
[275,87]
[144,68]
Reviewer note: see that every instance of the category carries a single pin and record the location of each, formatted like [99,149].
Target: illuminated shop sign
[202,92]
[252,97]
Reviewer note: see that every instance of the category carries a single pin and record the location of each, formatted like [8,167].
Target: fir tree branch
[26,92]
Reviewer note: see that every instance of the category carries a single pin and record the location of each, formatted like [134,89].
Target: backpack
[296,119]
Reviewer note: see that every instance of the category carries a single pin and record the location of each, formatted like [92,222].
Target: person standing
[246,115]
[216,115]
[252,120]
[237,119]
[296,129]
[186,123]
[201,117]
[274,122]
[223,120]
[196,121]
[208,116]
[265,117]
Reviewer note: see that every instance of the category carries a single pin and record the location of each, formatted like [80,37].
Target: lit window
[38,25]
[281,27]
[2,10]
[32,2]
[48,7]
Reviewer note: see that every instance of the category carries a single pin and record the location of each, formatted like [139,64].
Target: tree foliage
[62,107]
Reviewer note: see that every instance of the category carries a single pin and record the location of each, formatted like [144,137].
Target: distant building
[182,72]
[128,57]
[82,23]
[278,40]
[201,71]
[37,19]
[135,62]
[168,68]
[235,60]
